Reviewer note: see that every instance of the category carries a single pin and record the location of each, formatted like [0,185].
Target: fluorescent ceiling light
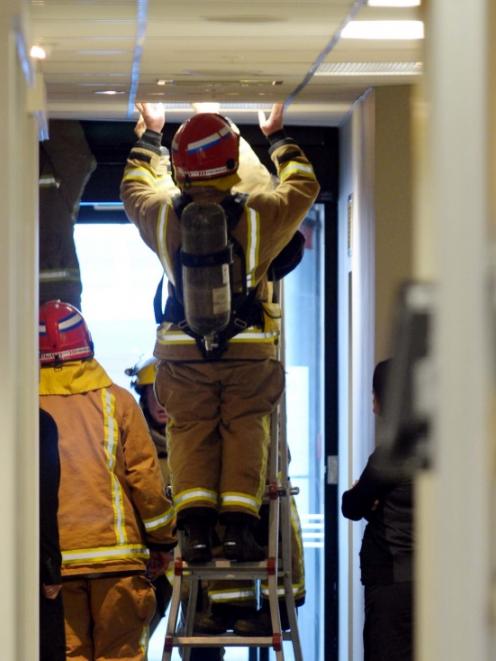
[104,52]
[231,107]
[186,107]
[110,92]
[247,107]
[369,69]
[394,3]
[206,106]
[383,30]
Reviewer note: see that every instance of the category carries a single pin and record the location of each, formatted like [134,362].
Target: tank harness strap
[215,258]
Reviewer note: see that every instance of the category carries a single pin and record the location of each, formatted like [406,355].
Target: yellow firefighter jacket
[268,222]
[112,506]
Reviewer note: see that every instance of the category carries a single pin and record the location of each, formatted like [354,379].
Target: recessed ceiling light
[37,53]
[397,30]
[394,3]
[110,92]
[369,69]
[163,81]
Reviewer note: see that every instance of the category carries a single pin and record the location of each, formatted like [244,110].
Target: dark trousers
[388,629]
[52,636]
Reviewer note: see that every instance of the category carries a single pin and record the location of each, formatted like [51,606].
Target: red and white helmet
[205,149]
[63,334]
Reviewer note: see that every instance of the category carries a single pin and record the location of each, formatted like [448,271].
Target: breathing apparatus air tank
[206,255]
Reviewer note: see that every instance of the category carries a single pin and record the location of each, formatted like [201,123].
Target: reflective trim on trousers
[234,499]
[190,497]
[226,596]
[298,590]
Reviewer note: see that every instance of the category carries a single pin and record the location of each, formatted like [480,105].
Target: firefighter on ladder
[219,399]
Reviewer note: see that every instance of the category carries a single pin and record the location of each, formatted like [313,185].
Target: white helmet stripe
[70,322]
[209,141]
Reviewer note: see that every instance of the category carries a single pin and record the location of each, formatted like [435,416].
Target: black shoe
[258,625]
[221,618]
[240,544]
[196,545]
[211,624]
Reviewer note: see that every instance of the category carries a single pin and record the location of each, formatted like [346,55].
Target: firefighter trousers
[107,618]
[219,430]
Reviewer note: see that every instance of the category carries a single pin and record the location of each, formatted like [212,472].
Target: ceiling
[241,53]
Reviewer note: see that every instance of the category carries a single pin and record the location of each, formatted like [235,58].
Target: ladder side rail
[274,519]
[285,506]
[190,612]
[273,546]
[173,609]
[287,570]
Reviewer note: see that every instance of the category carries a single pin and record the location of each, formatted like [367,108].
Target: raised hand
[275,122]
[152,116]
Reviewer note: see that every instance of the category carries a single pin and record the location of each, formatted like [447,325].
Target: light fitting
[206,106]
[394,3]
[247,107]
[110,92]
[396,30]
[369,69]
[37,53]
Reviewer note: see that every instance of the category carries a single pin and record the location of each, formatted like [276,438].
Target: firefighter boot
[239,540]
[196,543]
[260,623]
[221,618]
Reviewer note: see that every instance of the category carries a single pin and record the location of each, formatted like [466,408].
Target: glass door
[304,307]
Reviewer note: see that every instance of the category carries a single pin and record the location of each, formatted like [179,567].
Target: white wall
[18,340]
[456,614]
[356,351]
[375,256]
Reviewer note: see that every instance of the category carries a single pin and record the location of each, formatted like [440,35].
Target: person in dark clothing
[386,555]
[52,636]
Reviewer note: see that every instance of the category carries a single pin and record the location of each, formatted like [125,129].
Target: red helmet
[205,148]
[63,334]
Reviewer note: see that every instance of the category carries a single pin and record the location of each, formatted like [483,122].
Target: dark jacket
[386,555]
[50,557]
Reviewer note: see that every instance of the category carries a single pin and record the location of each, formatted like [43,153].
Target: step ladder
[276,569]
